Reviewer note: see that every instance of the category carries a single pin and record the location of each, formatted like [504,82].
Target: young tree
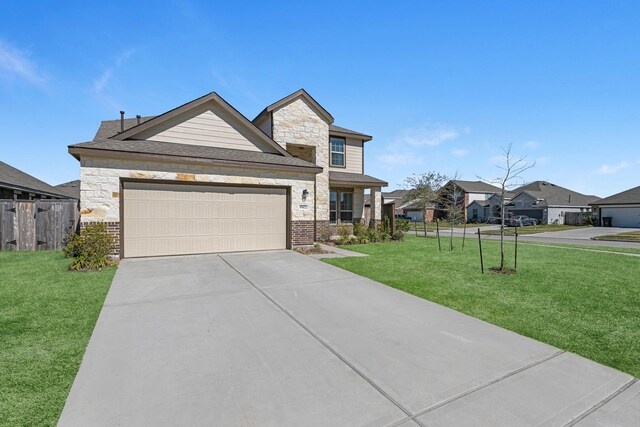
[423,190]
[452,203]
[512,169]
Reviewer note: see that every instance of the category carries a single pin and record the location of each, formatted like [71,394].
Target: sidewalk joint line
[326,345]
[600,404]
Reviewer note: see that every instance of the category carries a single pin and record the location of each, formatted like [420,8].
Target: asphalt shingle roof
[355,178]
[629,196]
[194,151]
[335,128]
[553,195]
[71,188]
[14,178]
[109,128]
[477,187]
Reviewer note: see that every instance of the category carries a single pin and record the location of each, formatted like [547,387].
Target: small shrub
[385,237]
[363,239]
[373,235]
[342,240]
[590,220]
[403,225]
[90,249]
[359,229]
[324,235]
[398,236]
[344,230]
[352,240]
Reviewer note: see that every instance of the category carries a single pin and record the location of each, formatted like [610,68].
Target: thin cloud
[103,83]
[609,169]
[427,135]
[532,145]
[460,152]
[15,63]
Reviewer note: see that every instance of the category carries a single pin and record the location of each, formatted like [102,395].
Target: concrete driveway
[279,339]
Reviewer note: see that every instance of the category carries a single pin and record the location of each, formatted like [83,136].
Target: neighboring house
[18,185]
[548,202]
[623,208]
[203,178]
[403,206]
[466,192]
[71,189]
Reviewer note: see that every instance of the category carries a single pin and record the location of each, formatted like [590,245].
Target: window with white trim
[336,155]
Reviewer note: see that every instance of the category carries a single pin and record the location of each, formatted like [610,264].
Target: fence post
[437,233]
[480,245]
[515,259]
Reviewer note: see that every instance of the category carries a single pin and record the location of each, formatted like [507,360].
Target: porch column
[376,206]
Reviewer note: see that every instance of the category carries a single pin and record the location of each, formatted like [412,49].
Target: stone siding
[298,123]
[100,183]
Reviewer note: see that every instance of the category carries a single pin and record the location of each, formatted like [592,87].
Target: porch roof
[355,179]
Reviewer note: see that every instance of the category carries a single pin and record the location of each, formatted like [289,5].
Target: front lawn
[584,302]
[532,229]
[629,235]
[444,225]
[47,315]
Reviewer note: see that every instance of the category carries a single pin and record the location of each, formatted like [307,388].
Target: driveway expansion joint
[479,387]
[600,404]
[328,347]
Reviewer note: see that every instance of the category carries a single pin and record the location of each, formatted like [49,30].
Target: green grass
[47,315]
[431,226]
[630,235]
[532,229]
[584,302]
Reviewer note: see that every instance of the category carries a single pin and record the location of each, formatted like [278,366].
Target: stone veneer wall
[298,123]
[100,187]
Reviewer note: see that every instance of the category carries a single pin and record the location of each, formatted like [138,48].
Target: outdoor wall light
[305,193]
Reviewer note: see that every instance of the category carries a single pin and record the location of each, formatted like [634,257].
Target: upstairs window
[336,154]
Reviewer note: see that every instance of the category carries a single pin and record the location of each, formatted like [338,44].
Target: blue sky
[441,85]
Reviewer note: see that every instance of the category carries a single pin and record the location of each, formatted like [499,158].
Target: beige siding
[353,151]
[177,219]
[264,124]
[208,127]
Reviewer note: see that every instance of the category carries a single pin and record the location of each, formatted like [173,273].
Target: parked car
[493,220]
[404,217]
[521,221]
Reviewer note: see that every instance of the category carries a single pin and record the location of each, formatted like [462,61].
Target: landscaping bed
[579,301]
[47,315]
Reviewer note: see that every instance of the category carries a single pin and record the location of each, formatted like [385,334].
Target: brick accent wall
[113,228]
[302,232]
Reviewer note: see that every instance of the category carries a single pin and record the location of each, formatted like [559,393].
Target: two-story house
[203,178]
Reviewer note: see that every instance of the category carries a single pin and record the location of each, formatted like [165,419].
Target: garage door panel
[623,216]
[172,219]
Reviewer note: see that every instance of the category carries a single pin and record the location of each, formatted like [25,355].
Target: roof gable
[326,116]
[208,121]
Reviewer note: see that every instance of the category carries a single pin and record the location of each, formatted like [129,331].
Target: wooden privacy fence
[576,218]
[36,225]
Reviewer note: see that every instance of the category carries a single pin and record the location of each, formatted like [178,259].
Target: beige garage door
[177,219]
